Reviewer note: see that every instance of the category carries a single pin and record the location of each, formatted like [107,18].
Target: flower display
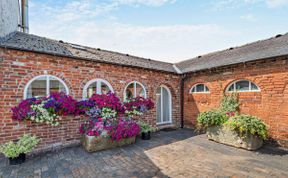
[103,113]
[46,109]
[138,106]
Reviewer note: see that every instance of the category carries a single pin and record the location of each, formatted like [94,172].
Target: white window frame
[135,89]
[98,82]
[47,84]
[250,88]
[170,106]
[195,86]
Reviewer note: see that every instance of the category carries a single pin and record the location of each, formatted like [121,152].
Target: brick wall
[271,104]
[18,67]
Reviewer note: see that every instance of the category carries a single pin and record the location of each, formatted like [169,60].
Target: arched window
[199,88]
[98,86]
[243,86]
[44,85]
[134,89]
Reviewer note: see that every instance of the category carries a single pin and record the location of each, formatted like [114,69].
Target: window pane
[56,86]
[129,91]
[166,105]
[231,88]
[254,87]
[193,89]
[242,86]
[140,90]
[158,102]
[91,89]
[37,88]
[200,88]
[104,88]
[207,89]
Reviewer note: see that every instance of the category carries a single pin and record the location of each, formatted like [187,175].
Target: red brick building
[36,66]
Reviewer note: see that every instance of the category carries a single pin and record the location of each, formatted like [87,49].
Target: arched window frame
[135,90]
[47,84]
[250,88]
[98,82]
[195,86]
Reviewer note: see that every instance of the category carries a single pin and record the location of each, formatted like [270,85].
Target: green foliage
[25,144]
[230,103]
[211,118]
[248,124]
[145,127]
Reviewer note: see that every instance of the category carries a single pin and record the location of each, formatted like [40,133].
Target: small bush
[145,127]
[25,144]
[211,118]
[245,124]
[230,103]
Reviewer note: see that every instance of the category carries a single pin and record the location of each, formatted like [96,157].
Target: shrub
[145,127]
[211,118]
[230,104]
[245,124]
[25,144]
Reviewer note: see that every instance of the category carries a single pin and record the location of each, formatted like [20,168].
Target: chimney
[24,13]
[9,17]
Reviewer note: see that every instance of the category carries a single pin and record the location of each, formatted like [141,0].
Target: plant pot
[92,143]
[18,160]
[230,137]
[146,135]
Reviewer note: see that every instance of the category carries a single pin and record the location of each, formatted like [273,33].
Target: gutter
[182,82]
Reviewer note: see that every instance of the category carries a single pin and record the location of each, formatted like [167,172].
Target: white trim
[135,89]
[98,82]
[47,84]
[170,106]
[239,91]
[195,86]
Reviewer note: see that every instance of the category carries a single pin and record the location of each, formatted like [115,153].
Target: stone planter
[93,144]
[227,136]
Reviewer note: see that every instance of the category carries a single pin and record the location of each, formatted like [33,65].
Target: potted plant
[109,122]
[146,130]
[16,151]
[225,125]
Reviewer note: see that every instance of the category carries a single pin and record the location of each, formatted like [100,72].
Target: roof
[273,47]
[29,42]
[264,49]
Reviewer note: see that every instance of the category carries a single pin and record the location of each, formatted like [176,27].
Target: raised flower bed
[109,123]
[228,127]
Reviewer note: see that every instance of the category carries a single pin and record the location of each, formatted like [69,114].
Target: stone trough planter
[227,136]
[93,144]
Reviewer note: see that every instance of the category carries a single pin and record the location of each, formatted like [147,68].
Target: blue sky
[166,30]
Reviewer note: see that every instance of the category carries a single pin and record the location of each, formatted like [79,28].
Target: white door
[164,103]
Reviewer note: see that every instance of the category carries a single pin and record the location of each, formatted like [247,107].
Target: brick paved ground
[169,154]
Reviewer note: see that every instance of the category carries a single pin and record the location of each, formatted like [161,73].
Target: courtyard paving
[179,153]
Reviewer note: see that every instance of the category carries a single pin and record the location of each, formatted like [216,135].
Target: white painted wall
[9,16]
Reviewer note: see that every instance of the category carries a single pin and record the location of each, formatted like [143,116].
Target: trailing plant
[145,127]
[245,124]
[230,103]
[211,118]
[25,144]
[46,109]
[137,106]
[106,116]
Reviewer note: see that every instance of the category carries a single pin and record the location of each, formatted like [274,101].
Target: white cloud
[276,3]
[232,4]
[248,17]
